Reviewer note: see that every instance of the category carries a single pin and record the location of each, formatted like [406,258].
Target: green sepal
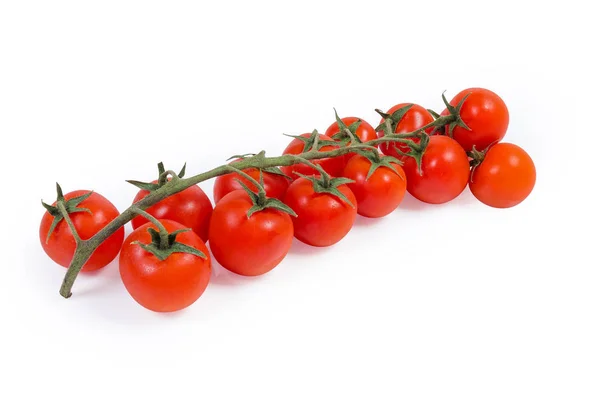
[243,156]
[332,188]
[173,245]
[260,201]
[384,162]
[162,180]
[72,206]
[182,171]
[144,186]
[394,117]
[155,235]
[346,132]
[275,170]
[455,111]
[433,113]
[377,160]
[416,150]
[312,142]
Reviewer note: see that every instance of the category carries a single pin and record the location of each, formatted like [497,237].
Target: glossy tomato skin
[323,219]
[415,118]
[382,193]
[169,285]
[365,132]
[332,166]
[61,245]
[249,246]
[445,168]
[485,113]
[275,185]
[505,177]
[190,207]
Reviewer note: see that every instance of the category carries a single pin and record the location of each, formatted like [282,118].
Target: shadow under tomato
[223,277]
[364,221]
[299,247]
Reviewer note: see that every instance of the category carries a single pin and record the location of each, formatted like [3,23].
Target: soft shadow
[465,198]
[299,247]
[223,277]
[410,203]
[363,221]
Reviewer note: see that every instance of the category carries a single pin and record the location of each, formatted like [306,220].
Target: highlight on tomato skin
[505,177]
[60,245]
[166,285]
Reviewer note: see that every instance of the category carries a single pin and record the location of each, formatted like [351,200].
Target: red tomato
[190,207]
[249,246]
[164,285]
[415,118]
[365,132]
[485,113]
[332,166]
[323,218]
[445,171]
[61,244]
[381,193]
[275,185]
[505,177]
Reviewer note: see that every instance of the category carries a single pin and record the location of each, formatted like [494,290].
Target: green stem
[162,231]
[63,210]
[85,248]
[324,175]
[262,195]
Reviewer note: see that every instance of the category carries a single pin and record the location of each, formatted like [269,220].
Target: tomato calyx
[163,243]
[454,113]
[162,178]
[326,184]
[346,134]
[379,161]
[64,207]
[390,121]
[312,142]
[260,200]
[476,158]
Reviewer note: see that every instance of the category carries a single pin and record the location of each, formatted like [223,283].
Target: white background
[432,303]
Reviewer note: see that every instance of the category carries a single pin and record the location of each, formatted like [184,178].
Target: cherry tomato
[486,115]
[415,118]
[323,218]
[275,184]
[60,246]
[365,132]
[505,177]
[445,171]
[164,285]
[332,166]
[249,246]
[190,207]
[382,192]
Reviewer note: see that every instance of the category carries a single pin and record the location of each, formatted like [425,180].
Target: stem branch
[85,248]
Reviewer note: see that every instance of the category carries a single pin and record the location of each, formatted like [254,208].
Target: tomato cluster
[165,263]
